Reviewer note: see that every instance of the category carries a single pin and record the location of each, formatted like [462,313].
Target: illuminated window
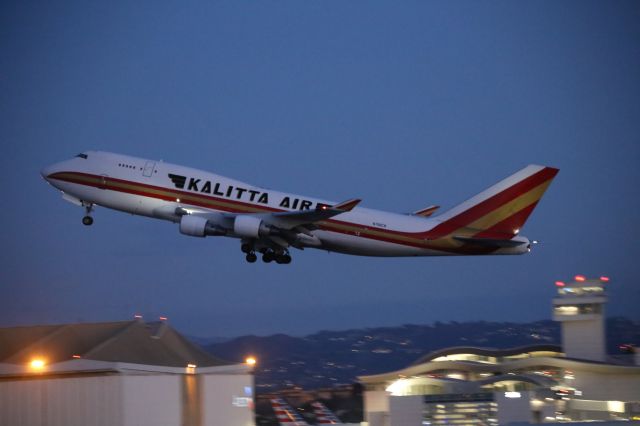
[582,309]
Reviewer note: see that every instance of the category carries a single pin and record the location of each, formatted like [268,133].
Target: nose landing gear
[87,220]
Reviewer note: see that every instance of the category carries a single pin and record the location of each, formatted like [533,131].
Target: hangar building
[117,373]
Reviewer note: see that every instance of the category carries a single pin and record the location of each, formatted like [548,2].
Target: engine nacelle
[192,225]
[197,226]
[249,227]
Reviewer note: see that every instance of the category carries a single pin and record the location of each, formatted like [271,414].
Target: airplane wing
[281,220]
[289,220]
[279,229]
[294,228]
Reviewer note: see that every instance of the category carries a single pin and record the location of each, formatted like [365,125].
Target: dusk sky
[402,104]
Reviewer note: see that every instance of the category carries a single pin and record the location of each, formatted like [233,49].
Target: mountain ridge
[327,358]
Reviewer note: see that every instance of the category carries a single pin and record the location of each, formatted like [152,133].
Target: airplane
[285,414]
[324,416]
[271,222]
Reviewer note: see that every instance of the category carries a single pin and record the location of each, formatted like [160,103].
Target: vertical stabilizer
[500,211]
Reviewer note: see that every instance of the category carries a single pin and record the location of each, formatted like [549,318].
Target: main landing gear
[249,251]
[282,258]
[268,255]
[87,220]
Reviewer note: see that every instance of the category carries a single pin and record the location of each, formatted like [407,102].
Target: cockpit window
[82,156]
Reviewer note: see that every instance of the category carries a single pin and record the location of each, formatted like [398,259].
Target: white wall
[584,339]
[220,392]
[622,387]
[406,410]
[513,409]
[376,406]
[71,401]
[127,400]
[151,400]
[378,418]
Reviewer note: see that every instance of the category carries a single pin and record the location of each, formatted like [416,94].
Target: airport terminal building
[117,373]
[527,385]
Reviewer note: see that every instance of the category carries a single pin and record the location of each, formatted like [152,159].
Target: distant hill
[206,341]
[327,358]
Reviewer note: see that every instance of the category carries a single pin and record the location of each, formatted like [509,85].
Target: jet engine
[197,226]
[250,227]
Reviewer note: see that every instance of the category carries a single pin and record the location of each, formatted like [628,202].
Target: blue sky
[402,104]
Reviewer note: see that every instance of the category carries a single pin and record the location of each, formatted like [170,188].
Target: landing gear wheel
[268,256]
[251,257]
[283,259]
[87,220]
[246,248]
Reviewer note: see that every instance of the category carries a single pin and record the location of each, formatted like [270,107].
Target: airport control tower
[579,307]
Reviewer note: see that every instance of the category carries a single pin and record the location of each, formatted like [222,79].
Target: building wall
[584,339]
[406,410]
[70,401]
[622,387]
[151,400]
[227,400]
[128,400]
[376,407]
[596,410]
[377,418]
[512,409]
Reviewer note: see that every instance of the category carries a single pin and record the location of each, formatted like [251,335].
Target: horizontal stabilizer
[490,242]
[426,212]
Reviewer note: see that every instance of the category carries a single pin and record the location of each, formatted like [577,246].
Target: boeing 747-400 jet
[271,222]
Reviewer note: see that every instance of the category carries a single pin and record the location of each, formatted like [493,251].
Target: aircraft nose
[47,171]
[51,169]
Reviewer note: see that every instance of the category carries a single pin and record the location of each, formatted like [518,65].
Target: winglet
[346,206]
[426,212]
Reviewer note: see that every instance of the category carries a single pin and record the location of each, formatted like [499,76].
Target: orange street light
[37,364]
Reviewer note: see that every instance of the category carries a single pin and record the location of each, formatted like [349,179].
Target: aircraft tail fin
[500,211]
[285,414]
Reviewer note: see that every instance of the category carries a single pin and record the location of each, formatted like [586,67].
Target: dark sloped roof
[136,342]
[487,352]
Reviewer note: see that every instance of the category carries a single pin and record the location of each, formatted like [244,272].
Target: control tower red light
[580,278]
[604,279]
[559,284]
